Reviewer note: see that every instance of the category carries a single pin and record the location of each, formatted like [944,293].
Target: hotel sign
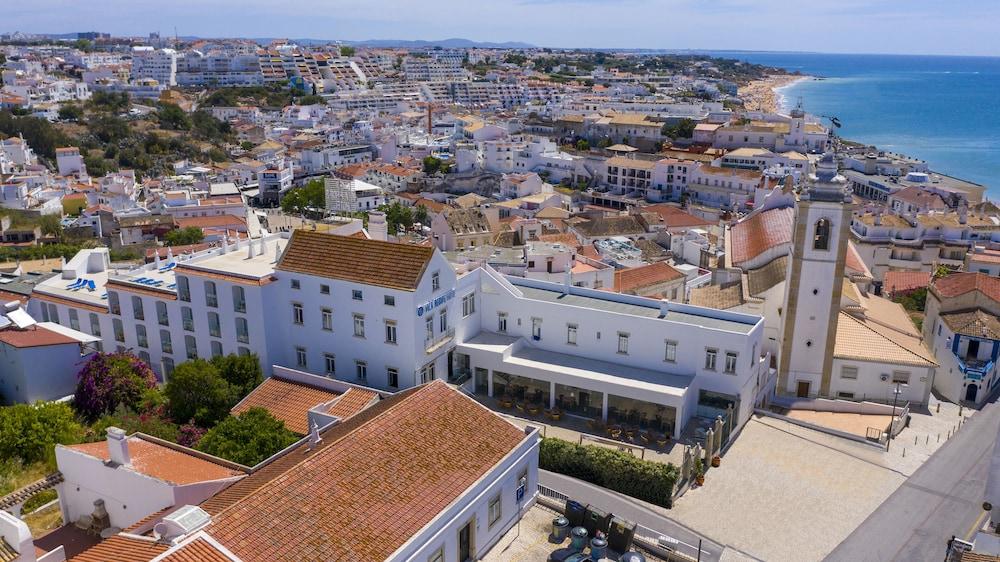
[431,305]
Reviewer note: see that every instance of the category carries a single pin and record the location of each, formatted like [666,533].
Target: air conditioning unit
[884,377]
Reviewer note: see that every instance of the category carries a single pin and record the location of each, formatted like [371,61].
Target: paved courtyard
[855,424]
[785,497]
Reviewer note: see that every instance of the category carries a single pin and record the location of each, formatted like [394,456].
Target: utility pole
[892,420]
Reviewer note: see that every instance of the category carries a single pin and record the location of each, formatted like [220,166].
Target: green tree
[248,439]
[173,117]
[310,196]
[51,225]
[30,431]
[70,112]
[83,45]
[431,165]
[149,422]
[312,100]
[246,145]
[346,51]
[110,380]
[196,391]
[184,236]
[397,215]
[420,215]
[582,145]
[242,372]
[604,143]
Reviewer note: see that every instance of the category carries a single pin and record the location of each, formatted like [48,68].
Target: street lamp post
[892,420]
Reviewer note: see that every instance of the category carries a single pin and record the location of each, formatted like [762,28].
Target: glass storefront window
[520,388]
[579,401]
[645,415]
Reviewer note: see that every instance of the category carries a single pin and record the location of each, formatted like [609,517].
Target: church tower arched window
[821,238]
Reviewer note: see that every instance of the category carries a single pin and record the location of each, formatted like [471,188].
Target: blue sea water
[942,109]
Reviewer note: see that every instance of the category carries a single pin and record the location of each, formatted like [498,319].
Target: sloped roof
[169,464]
[975,323]
[610,226]
[467,221]
[894,281]
[198,550]
[122,548]
[635,278]
[762,231]
[864,340]
[853,262]
[763,278]
[717,296]
[957,284]
[286,400]
[33,336]
[674,217]
[372,262]
[352,402]
[374,487]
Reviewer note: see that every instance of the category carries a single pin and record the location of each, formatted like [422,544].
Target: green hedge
[616,470]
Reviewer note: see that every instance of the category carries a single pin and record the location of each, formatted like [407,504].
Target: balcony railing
[975,369]
[433,344]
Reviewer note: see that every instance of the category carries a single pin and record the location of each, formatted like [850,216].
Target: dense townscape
[275,301]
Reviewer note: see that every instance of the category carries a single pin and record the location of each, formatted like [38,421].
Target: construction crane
[431,106]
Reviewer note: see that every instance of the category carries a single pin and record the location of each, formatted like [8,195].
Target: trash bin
[578,539]
[560,529]
[598,548]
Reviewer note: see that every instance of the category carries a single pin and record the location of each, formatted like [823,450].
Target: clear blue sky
[867,26]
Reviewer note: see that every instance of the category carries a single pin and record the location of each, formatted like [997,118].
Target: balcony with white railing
[440,340]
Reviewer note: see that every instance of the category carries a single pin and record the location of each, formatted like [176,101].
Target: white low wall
[844,406]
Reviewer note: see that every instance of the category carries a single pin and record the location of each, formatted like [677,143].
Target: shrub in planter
[615,470]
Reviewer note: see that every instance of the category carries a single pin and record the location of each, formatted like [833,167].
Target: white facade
[154,64]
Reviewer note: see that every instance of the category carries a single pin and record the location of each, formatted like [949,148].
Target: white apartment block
[352,195]
[154,64]
[392,316]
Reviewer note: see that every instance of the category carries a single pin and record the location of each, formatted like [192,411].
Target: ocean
[942,109]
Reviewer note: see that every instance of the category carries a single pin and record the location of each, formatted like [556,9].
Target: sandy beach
[761,95]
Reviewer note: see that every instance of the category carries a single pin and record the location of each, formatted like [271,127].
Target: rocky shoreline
[761,95]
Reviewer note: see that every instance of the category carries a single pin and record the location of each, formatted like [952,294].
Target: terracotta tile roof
[865,340]
[762,231]
[561,238]
[372,262]
[122,548]
[168,464]
[636,278]
[34,336]
[960,283]
[766,277]
[674,217]
[375,484]
[467,221]
[352,402]
[198,550]
[286,400]
[975,323]
[896,281]
[210,222]
[853,262]
[610,226]
[717,296]
[986,256]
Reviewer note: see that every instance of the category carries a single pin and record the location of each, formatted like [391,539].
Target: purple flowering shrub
[110,380]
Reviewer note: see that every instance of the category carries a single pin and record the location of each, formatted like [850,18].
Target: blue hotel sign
[431,305]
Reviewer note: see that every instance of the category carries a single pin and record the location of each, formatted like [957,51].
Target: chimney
[314,437]
[118,447]
[378,229]
[664,307]
[249,249]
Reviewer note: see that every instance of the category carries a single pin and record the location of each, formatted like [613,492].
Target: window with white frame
[443,321]
[166,346]
[435,281]
[239,299]
[140,335]
[119,329]
[95,325]
[187,318]
[361,370]
[390,331]
[329,363]
[298,314]
[494,511]
[392,377]
[161,313]
[670,351]
[191,346]
[847,372]
[389,300]
[216,348]
[427,373]
[327,315]
[468,304]
[357,295]
[731,358]
[211,298]
[183,289]
[571,334]
[137,311]
[501,322]
[113,305]
[536,328]
[622,342]
[710,356]
[901,377]
[359,325]
[429,328]
[242,330]
[74,319]
[214,326]
[301,360]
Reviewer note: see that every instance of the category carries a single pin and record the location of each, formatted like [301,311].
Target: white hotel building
[392,316]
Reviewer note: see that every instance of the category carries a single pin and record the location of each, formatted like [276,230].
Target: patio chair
[75,284]
[91,286]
